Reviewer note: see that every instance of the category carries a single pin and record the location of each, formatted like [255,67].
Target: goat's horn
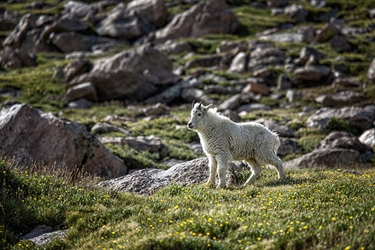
[200,103]
[192,105]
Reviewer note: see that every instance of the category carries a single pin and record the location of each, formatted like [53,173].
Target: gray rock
[292,95]
[228,46]
[81,103]
[312,73]
[118,84]
[16,58]
[144,61]
[347,82]
[33,43]
[174,48]
[221,90]
[167,95]
[238,64]
[120,23]
[337,150]
[207,17]
[284,82]
[77,8]
[149,181]
[42,235]
[371,71]
[66,23]
[204,62]
[358,117]
[327,32]
[27,133]
[341,98]
[156,110]
[18,34]
[296,12]
[368,137]
[306,54]
[247,108]
[83,90]
[69,42]
[277,3]
[265,56]
[151,11]
[140,143]
[289,146]
[191,94]
[77,67]
[100,128]
[8,19]
[281,130]
[232,103]
[283,37]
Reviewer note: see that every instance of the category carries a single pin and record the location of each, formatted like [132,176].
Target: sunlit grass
[316,209]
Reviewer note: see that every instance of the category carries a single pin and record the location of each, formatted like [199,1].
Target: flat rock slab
[149,181]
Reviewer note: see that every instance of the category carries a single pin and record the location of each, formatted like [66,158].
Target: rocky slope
[250,58]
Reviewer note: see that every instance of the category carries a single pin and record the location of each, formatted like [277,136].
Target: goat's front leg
[222,162]
[212,172]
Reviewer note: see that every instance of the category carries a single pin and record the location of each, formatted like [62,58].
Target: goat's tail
[276,143]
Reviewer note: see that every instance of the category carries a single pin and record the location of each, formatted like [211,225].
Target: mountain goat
[224,140]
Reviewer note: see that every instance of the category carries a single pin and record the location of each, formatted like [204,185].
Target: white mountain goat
[224,140]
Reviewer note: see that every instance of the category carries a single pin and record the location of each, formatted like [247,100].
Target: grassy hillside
[312,209]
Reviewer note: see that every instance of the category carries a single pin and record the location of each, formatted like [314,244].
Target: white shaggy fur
[224,140]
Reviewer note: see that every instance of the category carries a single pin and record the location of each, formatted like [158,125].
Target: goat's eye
[199,114]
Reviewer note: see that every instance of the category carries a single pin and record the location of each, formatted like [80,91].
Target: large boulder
[144,61]
[206,17]
[16,37]
[149,181]
[115,85]
[66,23]
[337,150]
[131,74]
[341,98]
[265,56]
[361,118]
[151,11]
[136,19]
[121,23]
[29,134]
[16,58]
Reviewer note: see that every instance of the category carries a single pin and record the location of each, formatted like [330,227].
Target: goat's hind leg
[275,161]
[256,168]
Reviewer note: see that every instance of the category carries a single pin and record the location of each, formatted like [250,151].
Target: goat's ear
[205,108]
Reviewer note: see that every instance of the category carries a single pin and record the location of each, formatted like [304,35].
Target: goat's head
[197,115]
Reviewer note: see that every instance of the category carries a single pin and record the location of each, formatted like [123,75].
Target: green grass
[256,20]
[312,209]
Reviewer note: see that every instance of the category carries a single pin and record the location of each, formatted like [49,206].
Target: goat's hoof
[220,187]
[209,183]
